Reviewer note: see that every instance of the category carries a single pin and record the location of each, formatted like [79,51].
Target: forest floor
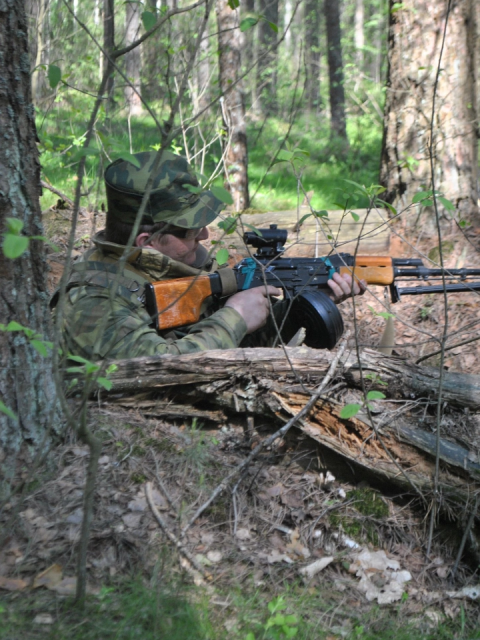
[295,548]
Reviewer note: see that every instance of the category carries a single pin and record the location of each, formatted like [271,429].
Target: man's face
[181,249]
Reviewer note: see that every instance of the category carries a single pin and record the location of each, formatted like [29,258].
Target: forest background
[270,101]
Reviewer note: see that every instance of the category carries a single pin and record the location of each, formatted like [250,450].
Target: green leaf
[40,347]
[7,411]
[105,383]
[54,75]
[421,195]
[248,23]
[349,410]
[192,188]
[229,225]
[14,225]
[75,370]
[250,636]
[427,203]
[222,256]
[284,155]
[381,314]
[449,206]
[148,20]
[222,194]
[254,229]
[129,157]
[233,4]
[91,368]
[355,184]
[321,214]
[14,246]
[13,325]
[355,216]
[77,359]
[303,218]
[388,205]
[273,26]
[111,368]
[375,395]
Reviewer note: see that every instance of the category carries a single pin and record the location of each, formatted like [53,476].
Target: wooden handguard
[373,269]
[179,301]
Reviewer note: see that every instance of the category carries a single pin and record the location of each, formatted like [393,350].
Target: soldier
[105,316]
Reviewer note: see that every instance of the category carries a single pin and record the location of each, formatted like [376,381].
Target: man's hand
[253,305]
[341,287]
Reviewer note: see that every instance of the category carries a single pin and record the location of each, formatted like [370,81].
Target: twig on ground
[268,441]
[162,487]
[465,536]
[63,196]
[191,564]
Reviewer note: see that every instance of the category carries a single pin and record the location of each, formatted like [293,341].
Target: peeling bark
[414,44]
[265,382]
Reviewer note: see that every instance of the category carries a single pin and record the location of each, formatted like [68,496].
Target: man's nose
[204,234]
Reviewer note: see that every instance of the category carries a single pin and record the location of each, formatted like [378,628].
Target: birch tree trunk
[312,53]
[26,384]
[108,45]
[359,33]
[335,69]
[415,40]
[233,104]
[133,60]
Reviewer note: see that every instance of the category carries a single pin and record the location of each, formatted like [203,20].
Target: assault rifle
[178,302]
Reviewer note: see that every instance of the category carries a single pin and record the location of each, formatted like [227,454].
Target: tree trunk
[335,69]
[133,60]
[233,104]
[400,451]
[248,52]
[109,45]
[312,54]
[202,93]
[38,77]
[359,33]
[26,383]
[267,57]
[415,40]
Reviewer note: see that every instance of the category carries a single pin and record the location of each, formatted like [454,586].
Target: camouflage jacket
[105,317]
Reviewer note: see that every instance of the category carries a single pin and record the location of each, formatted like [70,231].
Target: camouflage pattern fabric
[100,322]
[170,200]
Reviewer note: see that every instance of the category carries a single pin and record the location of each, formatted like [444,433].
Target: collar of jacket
[154,264]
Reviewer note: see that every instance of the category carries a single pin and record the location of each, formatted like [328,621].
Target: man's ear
[142,239]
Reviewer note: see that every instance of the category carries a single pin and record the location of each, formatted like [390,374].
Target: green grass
[61,131]
[156,610]
[132,610]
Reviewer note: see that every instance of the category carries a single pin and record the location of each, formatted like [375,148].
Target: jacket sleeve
[97,327]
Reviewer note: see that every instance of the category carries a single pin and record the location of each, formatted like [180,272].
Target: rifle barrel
[424,273]
[453,288]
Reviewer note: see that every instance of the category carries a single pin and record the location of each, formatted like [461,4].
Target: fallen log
[402,379]
[389,444]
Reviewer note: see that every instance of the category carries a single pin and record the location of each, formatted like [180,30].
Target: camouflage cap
[169,201]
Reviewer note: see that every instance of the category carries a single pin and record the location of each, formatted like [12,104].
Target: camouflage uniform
[100,322]
[104,314]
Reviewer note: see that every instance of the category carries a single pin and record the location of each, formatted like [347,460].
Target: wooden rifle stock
[178,302]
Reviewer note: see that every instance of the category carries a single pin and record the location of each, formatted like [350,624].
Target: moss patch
[370,508]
